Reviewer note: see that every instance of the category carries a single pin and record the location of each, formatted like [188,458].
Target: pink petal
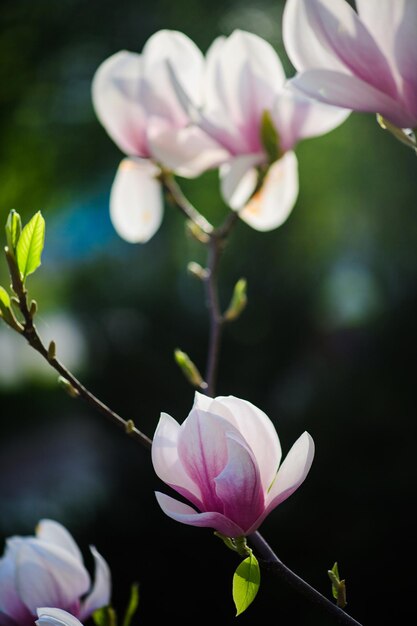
[298,117]
[352,93]
[166,462]
[56,617]
[238,179]
[273,203]
[257,430]
[239,485]
[187,515]
[136,202]
[55,533]
[118,91]
[189,151]
[202,449]
[99,595]
[292,472]
[328,34]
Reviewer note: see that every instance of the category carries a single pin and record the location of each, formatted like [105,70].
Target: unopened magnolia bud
[33,308]
[195,231]
[238,302]
[197,270]
[189,369]
[51,351]
[66,385]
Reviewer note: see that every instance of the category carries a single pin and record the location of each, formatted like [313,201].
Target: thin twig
[275,565]
[177,197]
[32,336]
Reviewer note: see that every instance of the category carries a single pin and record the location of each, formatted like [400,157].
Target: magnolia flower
[250,112]
[56,617]
[364,61]
[48,569]
[134,100]
[225,460]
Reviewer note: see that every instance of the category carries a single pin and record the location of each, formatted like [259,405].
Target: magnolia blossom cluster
[171,108]
[48,570]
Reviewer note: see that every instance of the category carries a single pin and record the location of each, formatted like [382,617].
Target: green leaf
[30,245]
[246,582]
[106,616]
[269,137]
[132,607]
[338,586]
[13,230]
[4,299]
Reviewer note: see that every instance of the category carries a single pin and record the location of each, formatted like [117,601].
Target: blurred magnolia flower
[250,112]
[56,617]
[364,61]
[48,569]
[224,459]
[135,101]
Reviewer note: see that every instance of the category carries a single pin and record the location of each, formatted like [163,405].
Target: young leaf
[189,369]
[105,616]
[132,606]
[238,301]
[30,245]
[269,137]
[13,230]
[4,299]
[246,582]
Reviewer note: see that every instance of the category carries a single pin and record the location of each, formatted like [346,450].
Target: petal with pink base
[187,515]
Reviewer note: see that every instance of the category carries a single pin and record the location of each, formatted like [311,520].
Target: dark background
[327,343]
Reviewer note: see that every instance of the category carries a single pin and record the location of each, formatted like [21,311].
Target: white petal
[47,574]
[165,457]
[136,203]
[49,616]
[189,151]
[118,92]
[10,601]
[55,533]
[273,203]
[185,60]
[99,595]
[238,179]
[293,471]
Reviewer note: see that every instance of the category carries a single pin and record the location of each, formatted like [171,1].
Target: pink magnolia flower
[134,99]
[364,61]
[56,617]
[225,460]
[48,569]
[244,79]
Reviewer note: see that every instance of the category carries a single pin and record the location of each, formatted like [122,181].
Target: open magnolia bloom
[249,111]
[48,569]
[56,617]
[134,100]
[364,61]
[225,460]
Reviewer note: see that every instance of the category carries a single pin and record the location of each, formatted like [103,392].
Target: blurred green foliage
[326,342]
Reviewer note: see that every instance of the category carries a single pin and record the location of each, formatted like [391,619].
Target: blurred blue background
[327,343]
